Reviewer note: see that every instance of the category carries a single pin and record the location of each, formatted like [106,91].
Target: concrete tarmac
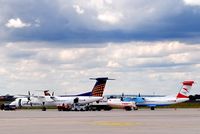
[160,121]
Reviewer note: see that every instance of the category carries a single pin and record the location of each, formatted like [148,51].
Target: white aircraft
[31,101]
[95,96]
[121,104]
[152,102]
[48,100]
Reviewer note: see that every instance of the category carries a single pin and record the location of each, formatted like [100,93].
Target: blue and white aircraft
[152,102]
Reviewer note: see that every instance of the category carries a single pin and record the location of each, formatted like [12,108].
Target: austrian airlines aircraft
[152,102]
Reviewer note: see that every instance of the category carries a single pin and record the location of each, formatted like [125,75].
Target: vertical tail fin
[184,92]
[46,93]
[99,86]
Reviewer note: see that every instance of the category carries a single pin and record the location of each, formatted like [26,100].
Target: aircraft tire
[44,109]
[2,106]
[81,110]
[87,109]
[152,108]
[107,108]
[128,108]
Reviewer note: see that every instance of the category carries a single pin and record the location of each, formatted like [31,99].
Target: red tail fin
[184,92]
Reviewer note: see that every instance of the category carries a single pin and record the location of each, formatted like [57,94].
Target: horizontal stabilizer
[101,78]
[85,94]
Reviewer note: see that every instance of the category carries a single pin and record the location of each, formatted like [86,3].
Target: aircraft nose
[13,104]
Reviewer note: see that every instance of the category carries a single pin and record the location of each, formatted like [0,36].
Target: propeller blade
[43,103]
[122,94]
[29,96]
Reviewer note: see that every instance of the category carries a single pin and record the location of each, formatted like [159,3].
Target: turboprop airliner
[51,100]
[152,102]
[31,101]
[86,98]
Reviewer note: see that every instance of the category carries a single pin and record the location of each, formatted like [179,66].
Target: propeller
[29,99]
[139,95]
[122,94]
[122,97]
[29,96]
[52,96]
[139,99]
[76,100]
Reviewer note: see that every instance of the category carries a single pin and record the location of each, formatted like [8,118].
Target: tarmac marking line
[117,123]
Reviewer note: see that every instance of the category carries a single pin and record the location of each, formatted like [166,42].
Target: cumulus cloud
[131,63]
[111,18]
[17,23]
[99,20]
[68,40]
[113,64]
[3,71]
[78,9]
[37,23]
[72,54]
[192,2]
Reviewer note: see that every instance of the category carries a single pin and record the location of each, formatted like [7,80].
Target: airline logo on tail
[98,90]
[99,87]
[184,92]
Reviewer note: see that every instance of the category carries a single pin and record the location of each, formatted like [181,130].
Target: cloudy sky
[149,47]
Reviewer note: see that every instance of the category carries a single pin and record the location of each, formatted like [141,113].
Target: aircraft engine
[76,100]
